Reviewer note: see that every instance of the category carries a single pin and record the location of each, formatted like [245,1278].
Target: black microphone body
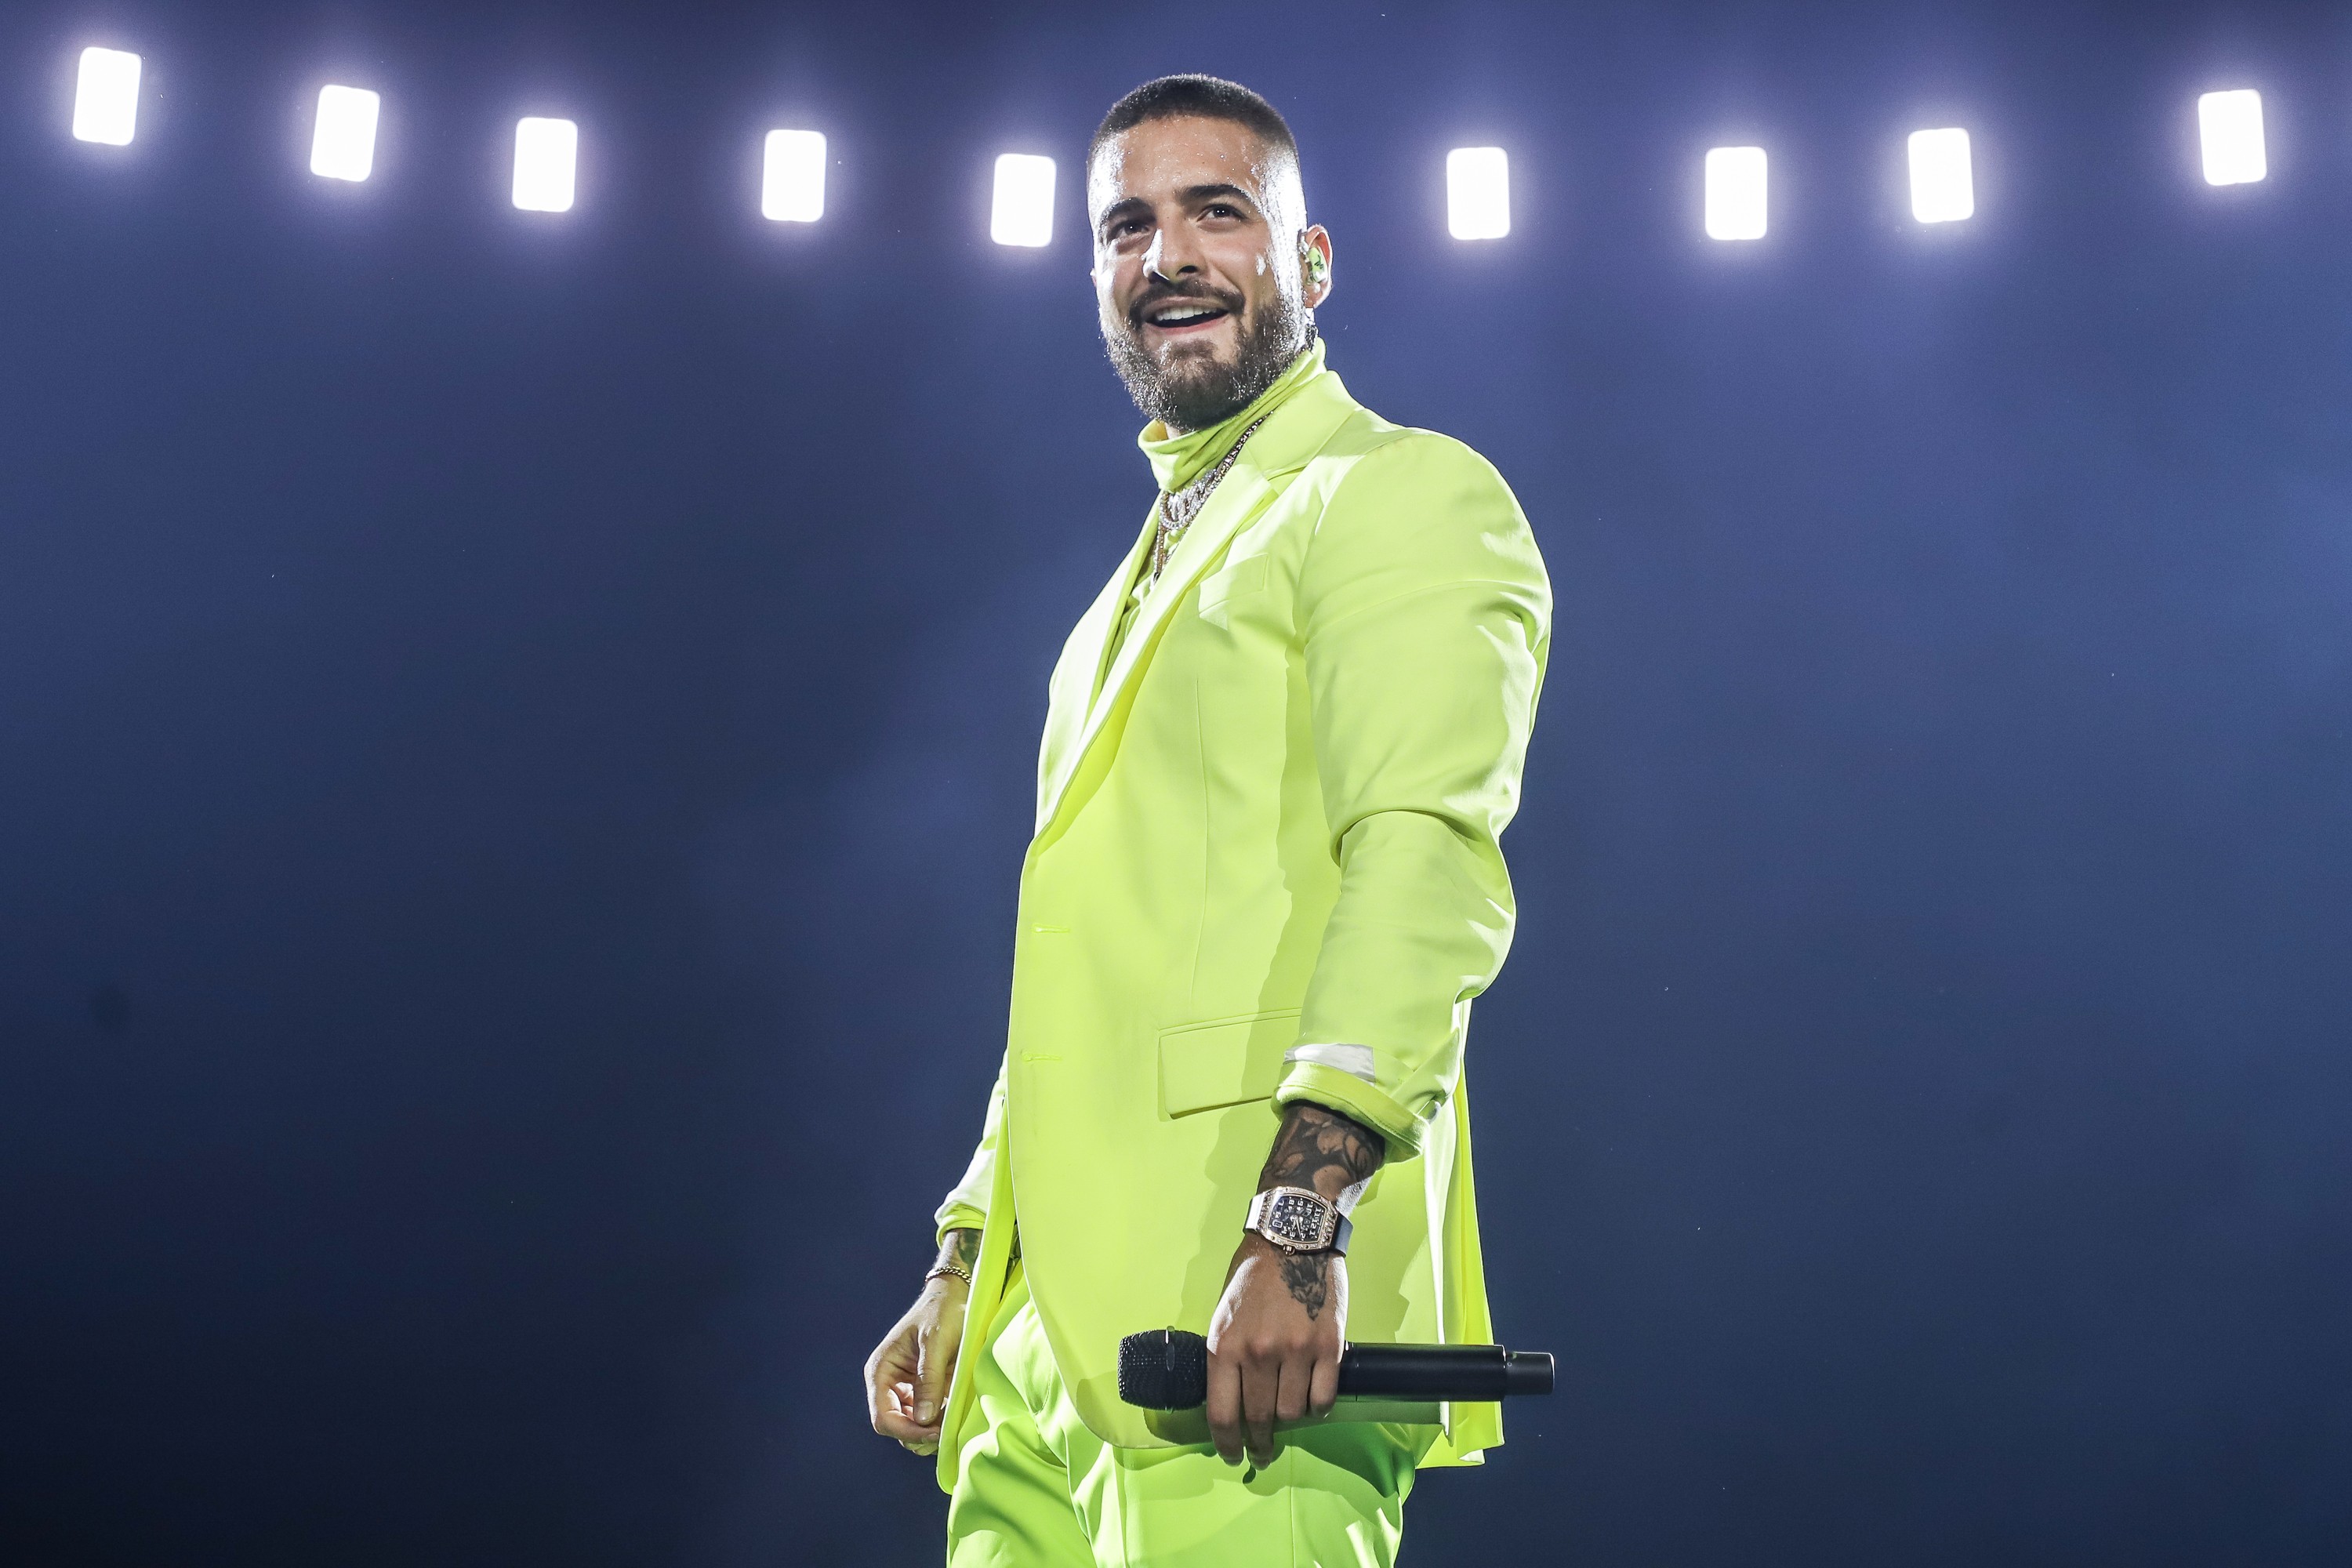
[1168,1369]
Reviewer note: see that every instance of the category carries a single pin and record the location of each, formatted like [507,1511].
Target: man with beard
[1263,888]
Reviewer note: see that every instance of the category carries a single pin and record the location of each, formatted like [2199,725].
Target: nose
[1169,258]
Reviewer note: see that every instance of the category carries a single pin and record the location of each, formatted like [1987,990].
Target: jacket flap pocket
[1228,1061]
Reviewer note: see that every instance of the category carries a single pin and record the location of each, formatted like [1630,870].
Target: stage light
[1478,193]
[792,189]
[1023,211]
[547,155]
[1735,193]
[342,147]
[1942,190]
[2230,124]
[106,98]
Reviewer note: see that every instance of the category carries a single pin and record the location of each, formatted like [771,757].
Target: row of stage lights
[1021,213]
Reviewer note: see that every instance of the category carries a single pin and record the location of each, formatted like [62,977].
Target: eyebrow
[1190,194]
[1203,192]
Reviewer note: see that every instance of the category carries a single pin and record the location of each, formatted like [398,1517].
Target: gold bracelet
[957,1270]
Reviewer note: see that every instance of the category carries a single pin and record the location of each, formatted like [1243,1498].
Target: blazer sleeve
[1425,616]
[966,1207]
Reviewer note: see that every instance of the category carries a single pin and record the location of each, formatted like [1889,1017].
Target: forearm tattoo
[960,1248]
[1320,1148]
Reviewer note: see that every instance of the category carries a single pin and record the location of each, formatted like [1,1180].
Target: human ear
[1314,266]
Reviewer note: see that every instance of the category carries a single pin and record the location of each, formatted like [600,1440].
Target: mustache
[1160,294]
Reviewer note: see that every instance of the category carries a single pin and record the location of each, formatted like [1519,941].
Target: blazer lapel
[1078,677]
[1085,696]
[1241,496]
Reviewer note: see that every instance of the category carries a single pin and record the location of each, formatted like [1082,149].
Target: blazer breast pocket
[1235,580]
[1226,1061]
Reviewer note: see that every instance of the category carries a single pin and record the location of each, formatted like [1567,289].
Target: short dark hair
[1201,96]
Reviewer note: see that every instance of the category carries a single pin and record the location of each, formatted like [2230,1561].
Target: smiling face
[1202,276]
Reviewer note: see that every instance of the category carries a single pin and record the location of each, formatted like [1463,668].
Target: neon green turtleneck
[1178,460]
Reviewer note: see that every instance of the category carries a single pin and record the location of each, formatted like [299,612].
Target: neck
[1180,455]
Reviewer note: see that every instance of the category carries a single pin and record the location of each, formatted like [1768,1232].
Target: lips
[1180,315]
[1174,317]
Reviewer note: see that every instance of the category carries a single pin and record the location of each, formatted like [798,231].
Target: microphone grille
[1164,1369]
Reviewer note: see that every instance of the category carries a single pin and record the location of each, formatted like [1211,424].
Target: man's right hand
[907,1376]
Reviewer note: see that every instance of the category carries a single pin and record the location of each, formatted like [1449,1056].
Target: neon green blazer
[1265,869]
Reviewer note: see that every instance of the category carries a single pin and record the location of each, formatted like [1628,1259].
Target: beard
[1193,391]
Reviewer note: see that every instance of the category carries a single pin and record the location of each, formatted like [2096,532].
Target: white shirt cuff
[1353,1059]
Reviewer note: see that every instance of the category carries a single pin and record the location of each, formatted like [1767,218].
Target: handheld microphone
[1168,1369]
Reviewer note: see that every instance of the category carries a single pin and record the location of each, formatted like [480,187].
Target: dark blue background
[516,737]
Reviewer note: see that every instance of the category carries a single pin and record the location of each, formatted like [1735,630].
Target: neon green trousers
[1037,1489]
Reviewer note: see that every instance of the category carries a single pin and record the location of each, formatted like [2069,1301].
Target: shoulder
[1369,462]
[1399,511]
[1412,489]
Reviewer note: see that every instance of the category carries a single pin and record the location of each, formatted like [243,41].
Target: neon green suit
[1265,869]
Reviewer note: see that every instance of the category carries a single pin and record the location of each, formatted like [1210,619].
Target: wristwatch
[1296,1219]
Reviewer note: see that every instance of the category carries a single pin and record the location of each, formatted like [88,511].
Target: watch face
[1294,1219]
